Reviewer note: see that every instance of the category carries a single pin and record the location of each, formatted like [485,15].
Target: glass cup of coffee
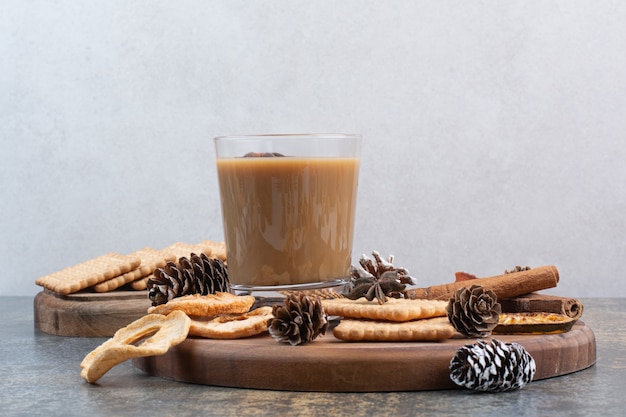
[288,209]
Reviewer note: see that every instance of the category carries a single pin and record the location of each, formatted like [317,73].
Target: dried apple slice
[533,323]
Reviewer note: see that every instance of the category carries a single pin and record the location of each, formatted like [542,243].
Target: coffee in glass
[288,207]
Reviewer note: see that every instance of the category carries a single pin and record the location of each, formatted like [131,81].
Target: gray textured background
[493,131]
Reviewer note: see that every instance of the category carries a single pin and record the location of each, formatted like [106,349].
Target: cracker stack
[398,320]
[115,270]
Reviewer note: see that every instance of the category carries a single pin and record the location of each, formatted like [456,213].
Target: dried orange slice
[533,323]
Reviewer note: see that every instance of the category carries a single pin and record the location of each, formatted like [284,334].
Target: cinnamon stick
[534,302]
[504,286]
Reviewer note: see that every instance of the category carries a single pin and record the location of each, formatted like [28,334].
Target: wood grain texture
[331,365]
[88,314]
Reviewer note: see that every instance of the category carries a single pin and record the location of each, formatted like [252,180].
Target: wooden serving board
[88,314]
[330,365]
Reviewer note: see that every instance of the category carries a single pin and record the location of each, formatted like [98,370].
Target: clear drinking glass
[288,208]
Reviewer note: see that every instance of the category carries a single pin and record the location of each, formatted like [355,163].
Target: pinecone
[197,275]
[378,279]
[517,269]
[474,312]
[299,321]
[492,366]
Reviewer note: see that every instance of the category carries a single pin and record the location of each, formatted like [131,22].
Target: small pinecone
[299,321]
[474,311]
[517,269]
[197,275]
[492,366]
[377,279]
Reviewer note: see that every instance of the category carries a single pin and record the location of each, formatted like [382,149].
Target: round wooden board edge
[87,314]
[330,365]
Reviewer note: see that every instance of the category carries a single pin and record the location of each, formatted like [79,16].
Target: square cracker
[86,274]
[218,249]
[423,330]
[395,309]
[150,260]
[182,249]
[140,284]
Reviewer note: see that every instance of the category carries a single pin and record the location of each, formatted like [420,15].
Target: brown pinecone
[474,311]
[517,269]
[197,275]
[377,279]
[299,321]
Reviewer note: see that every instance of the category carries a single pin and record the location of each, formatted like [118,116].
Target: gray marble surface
[40,375]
